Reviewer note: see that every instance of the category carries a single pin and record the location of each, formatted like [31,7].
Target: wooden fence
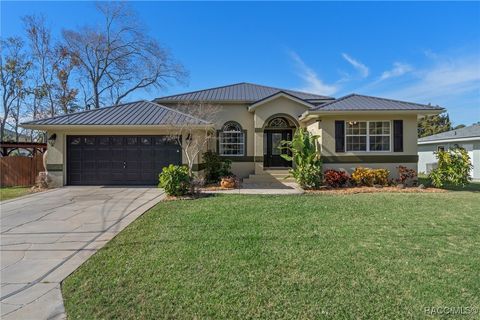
[20,171]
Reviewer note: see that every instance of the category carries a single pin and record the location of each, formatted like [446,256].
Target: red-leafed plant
[335,178]
[406,174]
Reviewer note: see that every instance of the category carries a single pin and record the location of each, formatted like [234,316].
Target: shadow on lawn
[472,186]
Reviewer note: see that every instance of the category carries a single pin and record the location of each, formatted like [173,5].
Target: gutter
[307,115]
[449,140]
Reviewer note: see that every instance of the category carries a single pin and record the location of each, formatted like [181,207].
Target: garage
[119,160]
[126,144]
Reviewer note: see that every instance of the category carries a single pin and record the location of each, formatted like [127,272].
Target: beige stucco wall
[252,122]
[327,131]
[324,127]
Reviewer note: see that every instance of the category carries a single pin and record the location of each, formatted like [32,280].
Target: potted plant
[228,182]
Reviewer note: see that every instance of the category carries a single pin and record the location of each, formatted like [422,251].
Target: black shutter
[397,135]
[339,136]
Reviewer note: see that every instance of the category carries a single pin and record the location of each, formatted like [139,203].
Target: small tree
[308,165]
[194,140]
[454,168]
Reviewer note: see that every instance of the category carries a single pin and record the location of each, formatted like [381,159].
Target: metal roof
[356,102]
[133,113]
[472,131]
[238,92]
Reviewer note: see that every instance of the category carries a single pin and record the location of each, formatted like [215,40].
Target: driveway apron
[46,236]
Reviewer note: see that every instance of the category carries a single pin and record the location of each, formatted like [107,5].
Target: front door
[273,154]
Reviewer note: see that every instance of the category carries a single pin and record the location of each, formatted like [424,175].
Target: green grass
[472,186]
[13,192]
[365,256]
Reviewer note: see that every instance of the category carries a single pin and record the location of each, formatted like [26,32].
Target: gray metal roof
[356,102]
[133,113]
[238,92]
[467,132]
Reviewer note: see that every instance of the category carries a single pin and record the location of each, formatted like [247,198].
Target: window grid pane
[356,136]
[232,143]
[367,136]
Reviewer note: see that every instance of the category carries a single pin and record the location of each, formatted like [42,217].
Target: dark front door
[119,160]
[273,154]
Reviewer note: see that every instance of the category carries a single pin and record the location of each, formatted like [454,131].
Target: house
[467,138]
[129,143]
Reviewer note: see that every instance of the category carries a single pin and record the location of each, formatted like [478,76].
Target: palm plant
[302,151]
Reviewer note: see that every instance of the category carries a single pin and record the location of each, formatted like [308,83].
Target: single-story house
[129,143]
[467,138]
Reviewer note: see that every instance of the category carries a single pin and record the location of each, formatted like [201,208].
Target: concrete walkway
[46,236]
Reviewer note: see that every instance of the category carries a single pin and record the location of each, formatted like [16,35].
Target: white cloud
[360,67]
[313,83]
[399,69]
[445,79]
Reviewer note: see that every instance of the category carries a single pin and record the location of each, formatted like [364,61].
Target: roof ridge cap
[292,90]
[194,91]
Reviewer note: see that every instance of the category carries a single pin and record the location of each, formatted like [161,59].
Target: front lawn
[365,256]
[13,192]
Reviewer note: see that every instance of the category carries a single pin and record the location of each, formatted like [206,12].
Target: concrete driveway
[46,236]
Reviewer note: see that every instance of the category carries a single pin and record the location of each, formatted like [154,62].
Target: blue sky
[423,52]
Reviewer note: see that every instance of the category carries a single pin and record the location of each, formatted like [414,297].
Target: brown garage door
[119,160]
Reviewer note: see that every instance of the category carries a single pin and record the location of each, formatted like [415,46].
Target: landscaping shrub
[308,166]
[174,180]
[369,177]
[406,174]
[216,167]
[335,178]
[454,168]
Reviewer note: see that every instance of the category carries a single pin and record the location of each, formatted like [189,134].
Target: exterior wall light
[52,139]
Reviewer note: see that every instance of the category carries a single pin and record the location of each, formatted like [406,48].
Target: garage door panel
[119,159]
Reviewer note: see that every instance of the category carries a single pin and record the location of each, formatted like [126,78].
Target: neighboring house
[467,138]
[127,144]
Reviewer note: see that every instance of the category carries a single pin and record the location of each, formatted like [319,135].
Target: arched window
[278,123]
[231,140]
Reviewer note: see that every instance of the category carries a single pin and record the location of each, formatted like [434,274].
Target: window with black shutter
[339,136]
[398,135]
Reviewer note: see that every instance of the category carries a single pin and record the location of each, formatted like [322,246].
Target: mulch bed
[354,190]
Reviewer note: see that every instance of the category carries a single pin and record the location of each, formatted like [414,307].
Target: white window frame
[221,149]
[368,136]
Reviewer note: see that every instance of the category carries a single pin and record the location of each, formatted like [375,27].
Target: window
[90,141]
[440,148]
[145,140]
[131,141]
[368,135]
[103,141]
[379,132]
[231,140]
[278,123]
[356,135]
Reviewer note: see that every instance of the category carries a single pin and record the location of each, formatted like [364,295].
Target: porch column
[258,150]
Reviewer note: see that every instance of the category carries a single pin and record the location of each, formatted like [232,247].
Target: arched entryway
[277,128]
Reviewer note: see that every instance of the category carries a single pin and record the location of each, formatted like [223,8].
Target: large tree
[117,57]
[14,68]
[434,124]
[52,90]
